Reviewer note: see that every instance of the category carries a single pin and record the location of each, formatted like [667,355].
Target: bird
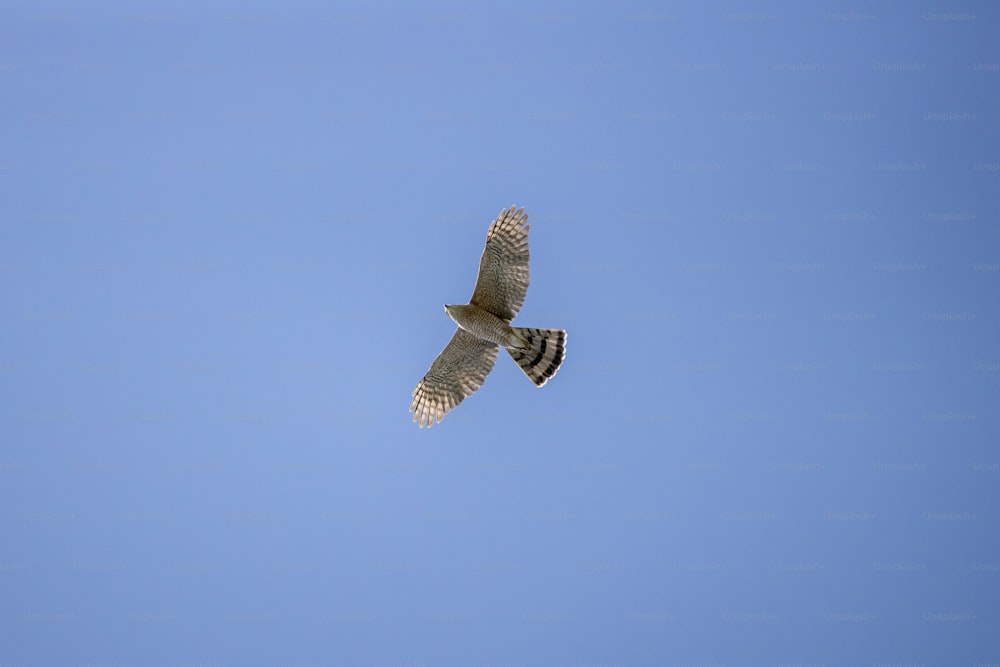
[484,326]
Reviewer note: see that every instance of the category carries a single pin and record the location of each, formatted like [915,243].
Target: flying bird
[484,327]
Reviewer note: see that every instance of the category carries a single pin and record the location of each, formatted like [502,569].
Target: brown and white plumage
[459,370]
[503,268]
[484,326]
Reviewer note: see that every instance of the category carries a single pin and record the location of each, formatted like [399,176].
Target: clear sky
[770,230]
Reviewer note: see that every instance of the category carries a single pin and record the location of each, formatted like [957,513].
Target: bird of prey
[484,327]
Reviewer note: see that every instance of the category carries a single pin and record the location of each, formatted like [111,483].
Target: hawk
[484,326]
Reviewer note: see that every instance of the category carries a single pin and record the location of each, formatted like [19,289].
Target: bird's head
[451,310]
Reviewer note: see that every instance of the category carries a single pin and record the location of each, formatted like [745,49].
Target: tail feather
[538,352]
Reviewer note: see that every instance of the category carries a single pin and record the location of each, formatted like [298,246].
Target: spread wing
[458,371]
[503,268]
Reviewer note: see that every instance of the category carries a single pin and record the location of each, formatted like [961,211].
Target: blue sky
[226,234]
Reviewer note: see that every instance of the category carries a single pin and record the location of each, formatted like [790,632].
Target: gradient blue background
[771,231]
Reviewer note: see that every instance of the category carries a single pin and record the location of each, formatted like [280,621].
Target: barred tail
[538,352]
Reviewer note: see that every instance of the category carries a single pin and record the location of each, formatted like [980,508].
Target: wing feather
[458,371]
[503,269]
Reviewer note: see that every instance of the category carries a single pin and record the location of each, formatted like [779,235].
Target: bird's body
[484,325]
